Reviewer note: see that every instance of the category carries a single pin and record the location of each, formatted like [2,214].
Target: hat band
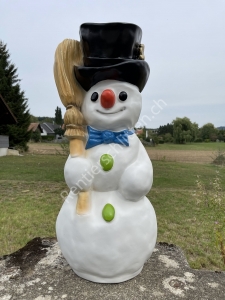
[133,71]
[103,62]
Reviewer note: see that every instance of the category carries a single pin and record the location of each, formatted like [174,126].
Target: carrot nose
[107,99]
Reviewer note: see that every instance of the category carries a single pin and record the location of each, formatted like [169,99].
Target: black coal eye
[123,96]
[94,97]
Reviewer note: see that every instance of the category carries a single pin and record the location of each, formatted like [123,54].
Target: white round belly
[107,252]
[122,157]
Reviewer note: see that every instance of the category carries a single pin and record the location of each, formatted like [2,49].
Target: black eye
[123,96]
[94,97]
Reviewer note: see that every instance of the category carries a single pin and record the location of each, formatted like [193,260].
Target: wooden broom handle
[83,203]
[83,200]
[76,147]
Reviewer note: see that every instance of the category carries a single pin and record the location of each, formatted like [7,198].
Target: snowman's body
[113,251]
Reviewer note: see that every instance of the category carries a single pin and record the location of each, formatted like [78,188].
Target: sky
[184,47]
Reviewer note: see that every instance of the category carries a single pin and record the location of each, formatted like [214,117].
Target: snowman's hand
[136,180]
[77,174]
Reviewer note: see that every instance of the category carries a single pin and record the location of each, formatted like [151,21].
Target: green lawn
[30,201]
[193,146]
[180,220]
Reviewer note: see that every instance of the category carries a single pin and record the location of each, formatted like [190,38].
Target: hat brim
[132,71]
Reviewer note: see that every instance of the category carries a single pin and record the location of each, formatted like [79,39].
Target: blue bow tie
[96,137]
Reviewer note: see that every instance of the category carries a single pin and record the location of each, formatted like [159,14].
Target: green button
[106,162]
[108,212]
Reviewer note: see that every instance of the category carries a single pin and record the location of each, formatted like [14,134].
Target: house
[154,130]
[35,127]
[48,129]
[148,131]
[4,144]
[139,131]
[36,130]
[6,117]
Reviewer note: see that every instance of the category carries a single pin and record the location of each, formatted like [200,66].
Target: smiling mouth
[110,113]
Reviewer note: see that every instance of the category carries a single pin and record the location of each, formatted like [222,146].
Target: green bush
[168,138]
[155,139]
[36,136]
[47,138]
[207,141]
[198,140]
[21,149]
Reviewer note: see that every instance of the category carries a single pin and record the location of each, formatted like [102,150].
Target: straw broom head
[67,55]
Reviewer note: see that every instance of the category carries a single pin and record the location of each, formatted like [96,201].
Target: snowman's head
[112,105]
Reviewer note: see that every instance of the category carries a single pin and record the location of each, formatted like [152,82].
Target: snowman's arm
[77,174]
[136,180]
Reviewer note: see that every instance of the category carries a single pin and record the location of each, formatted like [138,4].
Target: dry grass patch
[180,155]
[44,148]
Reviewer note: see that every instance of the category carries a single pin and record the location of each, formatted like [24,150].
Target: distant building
[35,127]
[154,130]
[48,129]
[148,131]
[139,131]
[221,128]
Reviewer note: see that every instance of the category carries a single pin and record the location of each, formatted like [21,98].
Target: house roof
[139,131]
[6,115]
[49,127]
[34,126]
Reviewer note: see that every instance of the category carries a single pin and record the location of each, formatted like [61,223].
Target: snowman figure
[113,238]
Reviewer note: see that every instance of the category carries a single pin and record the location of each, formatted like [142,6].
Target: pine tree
[15,98]
[58,116]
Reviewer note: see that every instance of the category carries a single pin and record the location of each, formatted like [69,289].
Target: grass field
[30,200]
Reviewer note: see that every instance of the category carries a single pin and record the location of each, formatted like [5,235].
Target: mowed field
[181,155]
[195,152]
[31,188]
[44,148]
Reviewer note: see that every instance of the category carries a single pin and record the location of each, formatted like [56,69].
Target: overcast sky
[184,46]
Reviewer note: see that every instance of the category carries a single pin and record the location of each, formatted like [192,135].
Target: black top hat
[111,51]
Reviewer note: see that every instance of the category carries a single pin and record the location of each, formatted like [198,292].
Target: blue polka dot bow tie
[97,137]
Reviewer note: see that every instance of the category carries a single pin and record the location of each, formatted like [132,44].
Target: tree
[184,130]
[165,129]
[33,119]
[154,138]
[209,132]
[195,131]
[221,135]
[45,119]
[168,138]
[15,98]
[59,131]
[58,116]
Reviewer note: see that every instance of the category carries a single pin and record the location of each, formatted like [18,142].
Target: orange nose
[107,99]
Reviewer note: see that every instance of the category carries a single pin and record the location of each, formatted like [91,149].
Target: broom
[67,55]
